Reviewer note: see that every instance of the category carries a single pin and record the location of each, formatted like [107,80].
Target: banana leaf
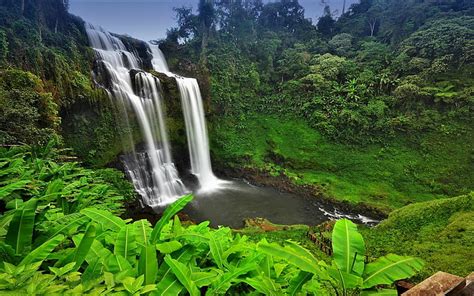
[390,268]
[20,230]
[348,247]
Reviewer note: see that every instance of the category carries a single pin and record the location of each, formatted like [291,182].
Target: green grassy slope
[403,170]
[441,232]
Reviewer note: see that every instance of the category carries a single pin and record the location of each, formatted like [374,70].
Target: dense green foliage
[60,237]
[349,85]
[374,107]
[58,183]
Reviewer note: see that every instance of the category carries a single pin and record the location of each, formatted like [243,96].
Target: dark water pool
[237,200]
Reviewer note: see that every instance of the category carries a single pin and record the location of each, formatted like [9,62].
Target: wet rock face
[140,48]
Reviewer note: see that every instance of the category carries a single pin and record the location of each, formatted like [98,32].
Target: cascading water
[195,121]
[153,173]
[196,130]
[158,61]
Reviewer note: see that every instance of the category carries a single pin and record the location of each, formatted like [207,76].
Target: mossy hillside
[440,232]
[403,170]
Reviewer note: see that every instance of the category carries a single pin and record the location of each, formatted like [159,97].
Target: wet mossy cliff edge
[97,130]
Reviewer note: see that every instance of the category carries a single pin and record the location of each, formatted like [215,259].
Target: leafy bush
[28,114]
[64,187]
[94,251]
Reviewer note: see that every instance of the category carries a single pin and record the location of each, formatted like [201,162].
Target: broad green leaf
[169,285]
[224,281]
[169,247]
[380,292]
[84,246]
[264,285]
[183,274]
[142,231]
[20,231]
[92,272]
[345,280]
[148,264]
[297,282]
[348,247]
[279,267]
[5,191]
[204,278]
[169,282]
[390,268]
[172,210]
[125,243]
[42,252]
[293,254]
[5,223]
[117,264]
[98,251]
[66,223]
[217,249]
[266,265]
[14,204]
[104,218]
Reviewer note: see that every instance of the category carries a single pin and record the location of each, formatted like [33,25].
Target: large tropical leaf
[169,285]
[225,280]
[183,274]
[169,282]
[5,191]
[380,292]
[65,225]
[348,247]
[169,247]
[217,249]
[148,264]
[297,282]
[202,278]
[390,268]
[345,280]
[43,251]
[142,231]
[172,210]
[104,218]
[293,254]
[98,251]
[125,242]
[264,285]
[93,272]
[117,264]
[20,231]
[84,246]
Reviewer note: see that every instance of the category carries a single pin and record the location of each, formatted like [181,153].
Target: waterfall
[158,61]
[196,131]
[195,121]
[152,172]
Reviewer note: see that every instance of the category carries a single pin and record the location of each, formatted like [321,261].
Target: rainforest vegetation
[371,110]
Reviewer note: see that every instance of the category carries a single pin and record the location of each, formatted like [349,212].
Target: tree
[326,23]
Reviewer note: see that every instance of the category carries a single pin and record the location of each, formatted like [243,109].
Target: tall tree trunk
[204,44]
[22,7]
[372,24]
[344,7]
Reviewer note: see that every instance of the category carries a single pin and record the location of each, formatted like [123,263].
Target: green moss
[402,170]
[440,232]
